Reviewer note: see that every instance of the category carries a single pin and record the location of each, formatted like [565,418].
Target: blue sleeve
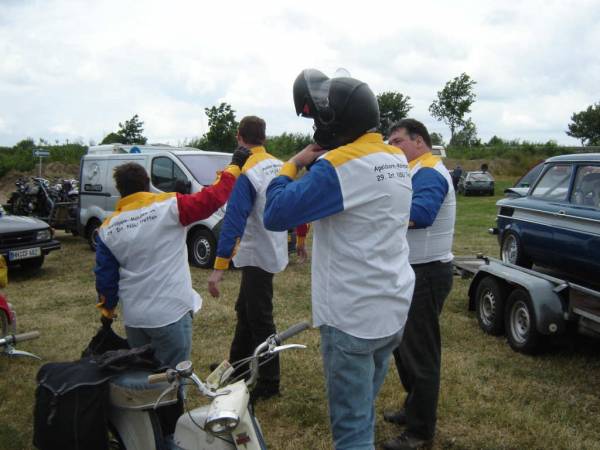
[291,203]
[238,209]
[429,191]
[107,275]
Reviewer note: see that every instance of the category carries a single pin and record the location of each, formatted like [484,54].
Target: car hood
[12,224]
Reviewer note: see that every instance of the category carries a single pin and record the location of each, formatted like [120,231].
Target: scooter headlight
[222,422]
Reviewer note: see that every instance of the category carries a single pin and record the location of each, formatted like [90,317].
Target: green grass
[491,397]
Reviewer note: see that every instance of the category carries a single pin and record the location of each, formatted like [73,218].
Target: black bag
[71,407]
[104,340]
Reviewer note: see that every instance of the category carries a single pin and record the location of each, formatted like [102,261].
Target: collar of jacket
[138,196]
[371,138]
[259,149]
[421,158]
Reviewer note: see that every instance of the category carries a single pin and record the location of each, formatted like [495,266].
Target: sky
[72,70]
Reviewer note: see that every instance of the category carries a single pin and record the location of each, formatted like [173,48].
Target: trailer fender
[545,299]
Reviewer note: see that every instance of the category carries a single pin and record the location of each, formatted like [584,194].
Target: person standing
[142,260]
[260,255]
[430,236]
[358,197]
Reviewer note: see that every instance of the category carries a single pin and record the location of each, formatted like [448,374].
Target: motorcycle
[8,328]
[227,423]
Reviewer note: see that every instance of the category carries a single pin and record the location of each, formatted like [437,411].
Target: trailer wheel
[520,323]
[511,251]
[489,304]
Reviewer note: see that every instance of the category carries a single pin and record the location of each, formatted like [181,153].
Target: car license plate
[26,253]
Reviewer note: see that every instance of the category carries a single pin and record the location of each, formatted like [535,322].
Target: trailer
[528,306]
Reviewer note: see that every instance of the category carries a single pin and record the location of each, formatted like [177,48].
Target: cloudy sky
[74,69]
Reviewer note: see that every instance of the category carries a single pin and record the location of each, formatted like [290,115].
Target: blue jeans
[172,343]
[354,371]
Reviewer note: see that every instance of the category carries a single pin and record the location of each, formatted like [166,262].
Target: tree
[132,131]
[467,137]
[585,125]
[222,129]
[454,102]
[113,138]
[436,138]
[393,106]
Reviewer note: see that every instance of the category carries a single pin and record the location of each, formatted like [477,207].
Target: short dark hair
[131,178]
[414,128]
[252,130]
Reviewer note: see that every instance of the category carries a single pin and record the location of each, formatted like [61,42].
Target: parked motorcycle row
[54,203]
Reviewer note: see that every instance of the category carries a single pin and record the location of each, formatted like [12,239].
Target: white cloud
[72,68]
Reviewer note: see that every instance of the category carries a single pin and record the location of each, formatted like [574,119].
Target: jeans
[418,358]
[172,343]
[254,310]
[354,372]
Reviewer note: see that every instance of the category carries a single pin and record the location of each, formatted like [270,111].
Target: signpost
[40,153]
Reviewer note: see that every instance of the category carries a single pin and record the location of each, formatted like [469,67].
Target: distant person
[456,174]
[142,261]
[358,195]
[484,167]
[260,255]
[430,236]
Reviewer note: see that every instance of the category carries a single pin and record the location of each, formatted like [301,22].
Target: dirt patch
[52,171]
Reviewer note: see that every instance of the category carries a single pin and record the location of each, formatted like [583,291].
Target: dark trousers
[254,308]
[418,356]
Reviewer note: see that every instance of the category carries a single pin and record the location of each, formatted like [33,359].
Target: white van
[170,169]
[438,150]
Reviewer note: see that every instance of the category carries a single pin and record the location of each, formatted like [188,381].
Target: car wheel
[202,248]
[520,323]
[511,251]
[32,264]
[91,233]
[489,304]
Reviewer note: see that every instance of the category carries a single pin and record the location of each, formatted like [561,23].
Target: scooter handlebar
[26,336]
[158,378]
[291,331]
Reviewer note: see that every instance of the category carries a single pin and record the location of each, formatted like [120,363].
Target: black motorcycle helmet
[343,108]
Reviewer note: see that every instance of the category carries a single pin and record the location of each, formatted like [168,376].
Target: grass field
[491,397]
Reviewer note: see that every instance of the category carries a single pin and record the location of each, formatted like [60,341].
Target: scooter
[227,423]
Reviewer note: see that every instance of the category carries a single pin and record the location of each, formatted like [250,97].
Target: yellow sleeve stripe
[233,170]
[289,169]
[221,263]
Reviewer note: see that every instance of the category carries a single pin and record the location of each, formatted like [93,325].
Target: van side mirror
[188,187]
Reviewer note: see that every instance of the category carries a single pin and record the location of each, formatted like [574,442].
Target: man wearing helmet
[358,196]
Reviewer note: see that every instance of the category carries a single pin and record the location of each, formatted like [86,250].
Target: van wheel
[32,264]
[91,233]
[520,323]
[511,251]
[202,248]
[489,304]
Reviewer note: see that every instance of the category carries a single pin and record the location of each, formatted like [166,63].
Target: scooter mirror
[185,368]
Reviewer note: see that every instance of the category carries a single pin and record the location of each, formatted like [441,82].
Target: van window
[166,174]
[554,184]
[204,167]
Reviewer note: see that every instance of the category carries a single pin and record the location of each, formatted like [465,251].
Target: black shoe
[407,442]
[398,417]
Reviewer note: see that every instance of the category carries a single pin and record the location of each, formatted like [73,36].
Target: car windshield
[529,178]
[204,166]
[480,176]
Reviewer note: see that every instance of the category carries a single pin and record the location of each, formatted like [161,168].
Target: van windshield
[205,166]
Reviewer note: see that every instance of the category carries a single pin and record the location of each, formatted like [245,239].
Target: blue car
[556,224]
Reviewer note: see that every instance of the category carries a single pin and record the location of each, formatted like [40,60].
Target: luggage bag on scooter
[71,407]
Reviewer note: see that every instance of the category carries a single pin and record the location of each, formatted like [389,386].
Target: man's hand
[240,156]
[213,282]
[302,253]
[307,155]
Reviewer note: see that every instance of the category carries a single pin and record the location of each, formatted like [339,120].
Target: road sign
[39,153]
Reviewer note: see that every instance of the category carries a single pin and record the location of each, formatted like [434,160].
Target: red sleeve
[302,230]
[198,206]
